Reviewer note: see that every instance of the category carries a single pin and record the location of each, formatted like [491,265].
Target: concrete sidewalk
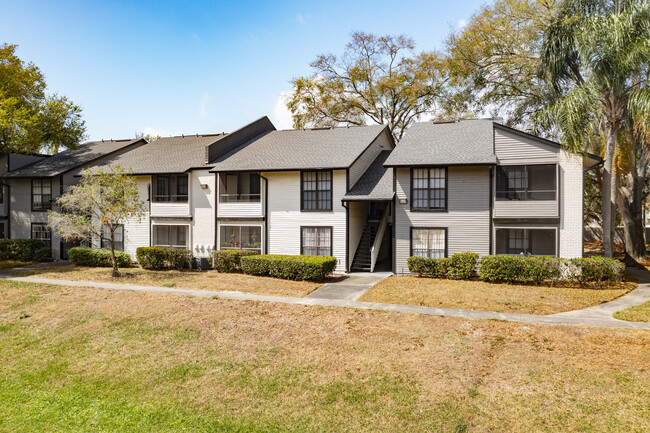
[349,287]
[580,317]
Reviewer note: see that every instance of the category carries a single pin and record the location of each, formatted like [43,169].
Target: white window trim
[190,244]
[243,224]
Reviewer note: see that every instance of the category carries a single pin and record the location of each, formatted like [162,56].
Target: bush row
[97,257]
[519,269]
[164,258]
[229,260]
[312,268]
[460,266]
[24,250]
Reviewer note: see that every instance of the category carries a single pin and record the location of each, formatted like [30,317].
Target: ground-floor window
[171,236]
[241,238]
[42,232]
[3,229]
[526,241]
[118,238]
[429,242]
[316,241]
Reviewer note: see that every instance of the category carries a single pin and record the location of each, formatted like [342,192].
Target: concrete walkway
[349,287]
[593,316]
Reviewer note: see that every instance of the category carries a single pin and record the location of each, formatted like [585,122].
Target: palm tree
[592,56]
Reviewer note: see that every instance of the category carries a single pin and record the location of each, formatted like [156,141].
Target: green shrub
[312,268]
[157,258]
[24,250]
[520,269]
[229,260]
[98,257]
[462,266]
[595,269]
[428,267]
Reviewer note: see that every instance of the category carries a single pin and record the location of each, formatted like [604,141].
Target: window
[172,188]
[239,187]
[316,190]
[241,237]
[42,232]
[3,233]
[2,193]
[118,238]
[429,188]
[316,241]
[429,242]
[170,236]
[41,194]
[526,182]
[525,241]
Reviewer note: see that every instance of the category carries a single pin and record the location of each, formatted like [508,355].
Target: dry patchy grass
[638,313]
[10,264]
[478,295]
[87,359]
[203,280]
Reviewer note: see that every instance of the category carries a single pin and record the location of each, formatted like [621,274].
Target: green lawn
[91,360]
[638,313]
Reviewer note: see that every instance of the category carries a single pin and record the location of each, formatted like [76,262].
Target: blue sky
[175,67]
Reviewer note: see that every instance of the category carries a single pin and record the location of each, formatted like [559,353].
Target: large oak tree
[30,119]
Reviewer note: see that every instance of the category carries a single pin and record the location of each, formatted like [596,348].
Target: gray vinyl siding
[467,219]
[512,149]
[285,218]
[382,142]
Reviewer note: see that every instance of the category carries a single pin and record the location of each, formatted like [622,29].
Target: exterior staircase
[362,258]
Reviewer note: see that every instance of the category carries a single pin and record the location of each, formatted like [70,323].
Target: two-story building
[477,185]
[32,183]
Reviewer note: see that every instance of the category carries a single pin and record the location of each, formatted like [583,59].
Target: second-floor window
[316,190]
[170,188]
[41,194]
[239,187]
[429,189]
[527,182]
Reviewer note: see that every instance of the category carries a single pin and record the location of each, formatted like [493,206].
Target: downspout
[265,214]
[347,234]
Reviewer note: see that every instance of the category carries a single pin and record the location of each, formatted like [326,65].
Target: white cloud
[281,116]
[302,19]
[195,36]
[461,23]
[205,100]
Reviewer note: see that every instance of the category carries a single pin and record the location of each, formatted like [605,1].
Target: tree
[148,137]
[495,59]
[592,56]
[378,79]
[30,120]
[103,200]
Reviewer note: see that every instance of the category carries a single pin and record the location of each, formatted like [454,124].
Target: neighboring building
[34,182]
[470,185]
[477,185]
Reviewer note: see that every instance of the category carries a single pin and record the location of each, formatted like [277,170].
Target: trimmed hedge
[595,269]
[312,268]
[157,258]
[98,257]
[460,266]
[519,269]
[24,250]
[229,260]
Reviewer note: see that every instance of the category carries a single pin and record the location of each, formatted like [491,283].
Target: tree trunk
[115,273]
[632,213]
[609,193]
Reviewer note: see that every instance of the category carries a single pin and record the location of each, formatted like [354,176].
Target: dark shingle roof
[300,149]
[453,143]
[375,184]
[65,161]
[168,154]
